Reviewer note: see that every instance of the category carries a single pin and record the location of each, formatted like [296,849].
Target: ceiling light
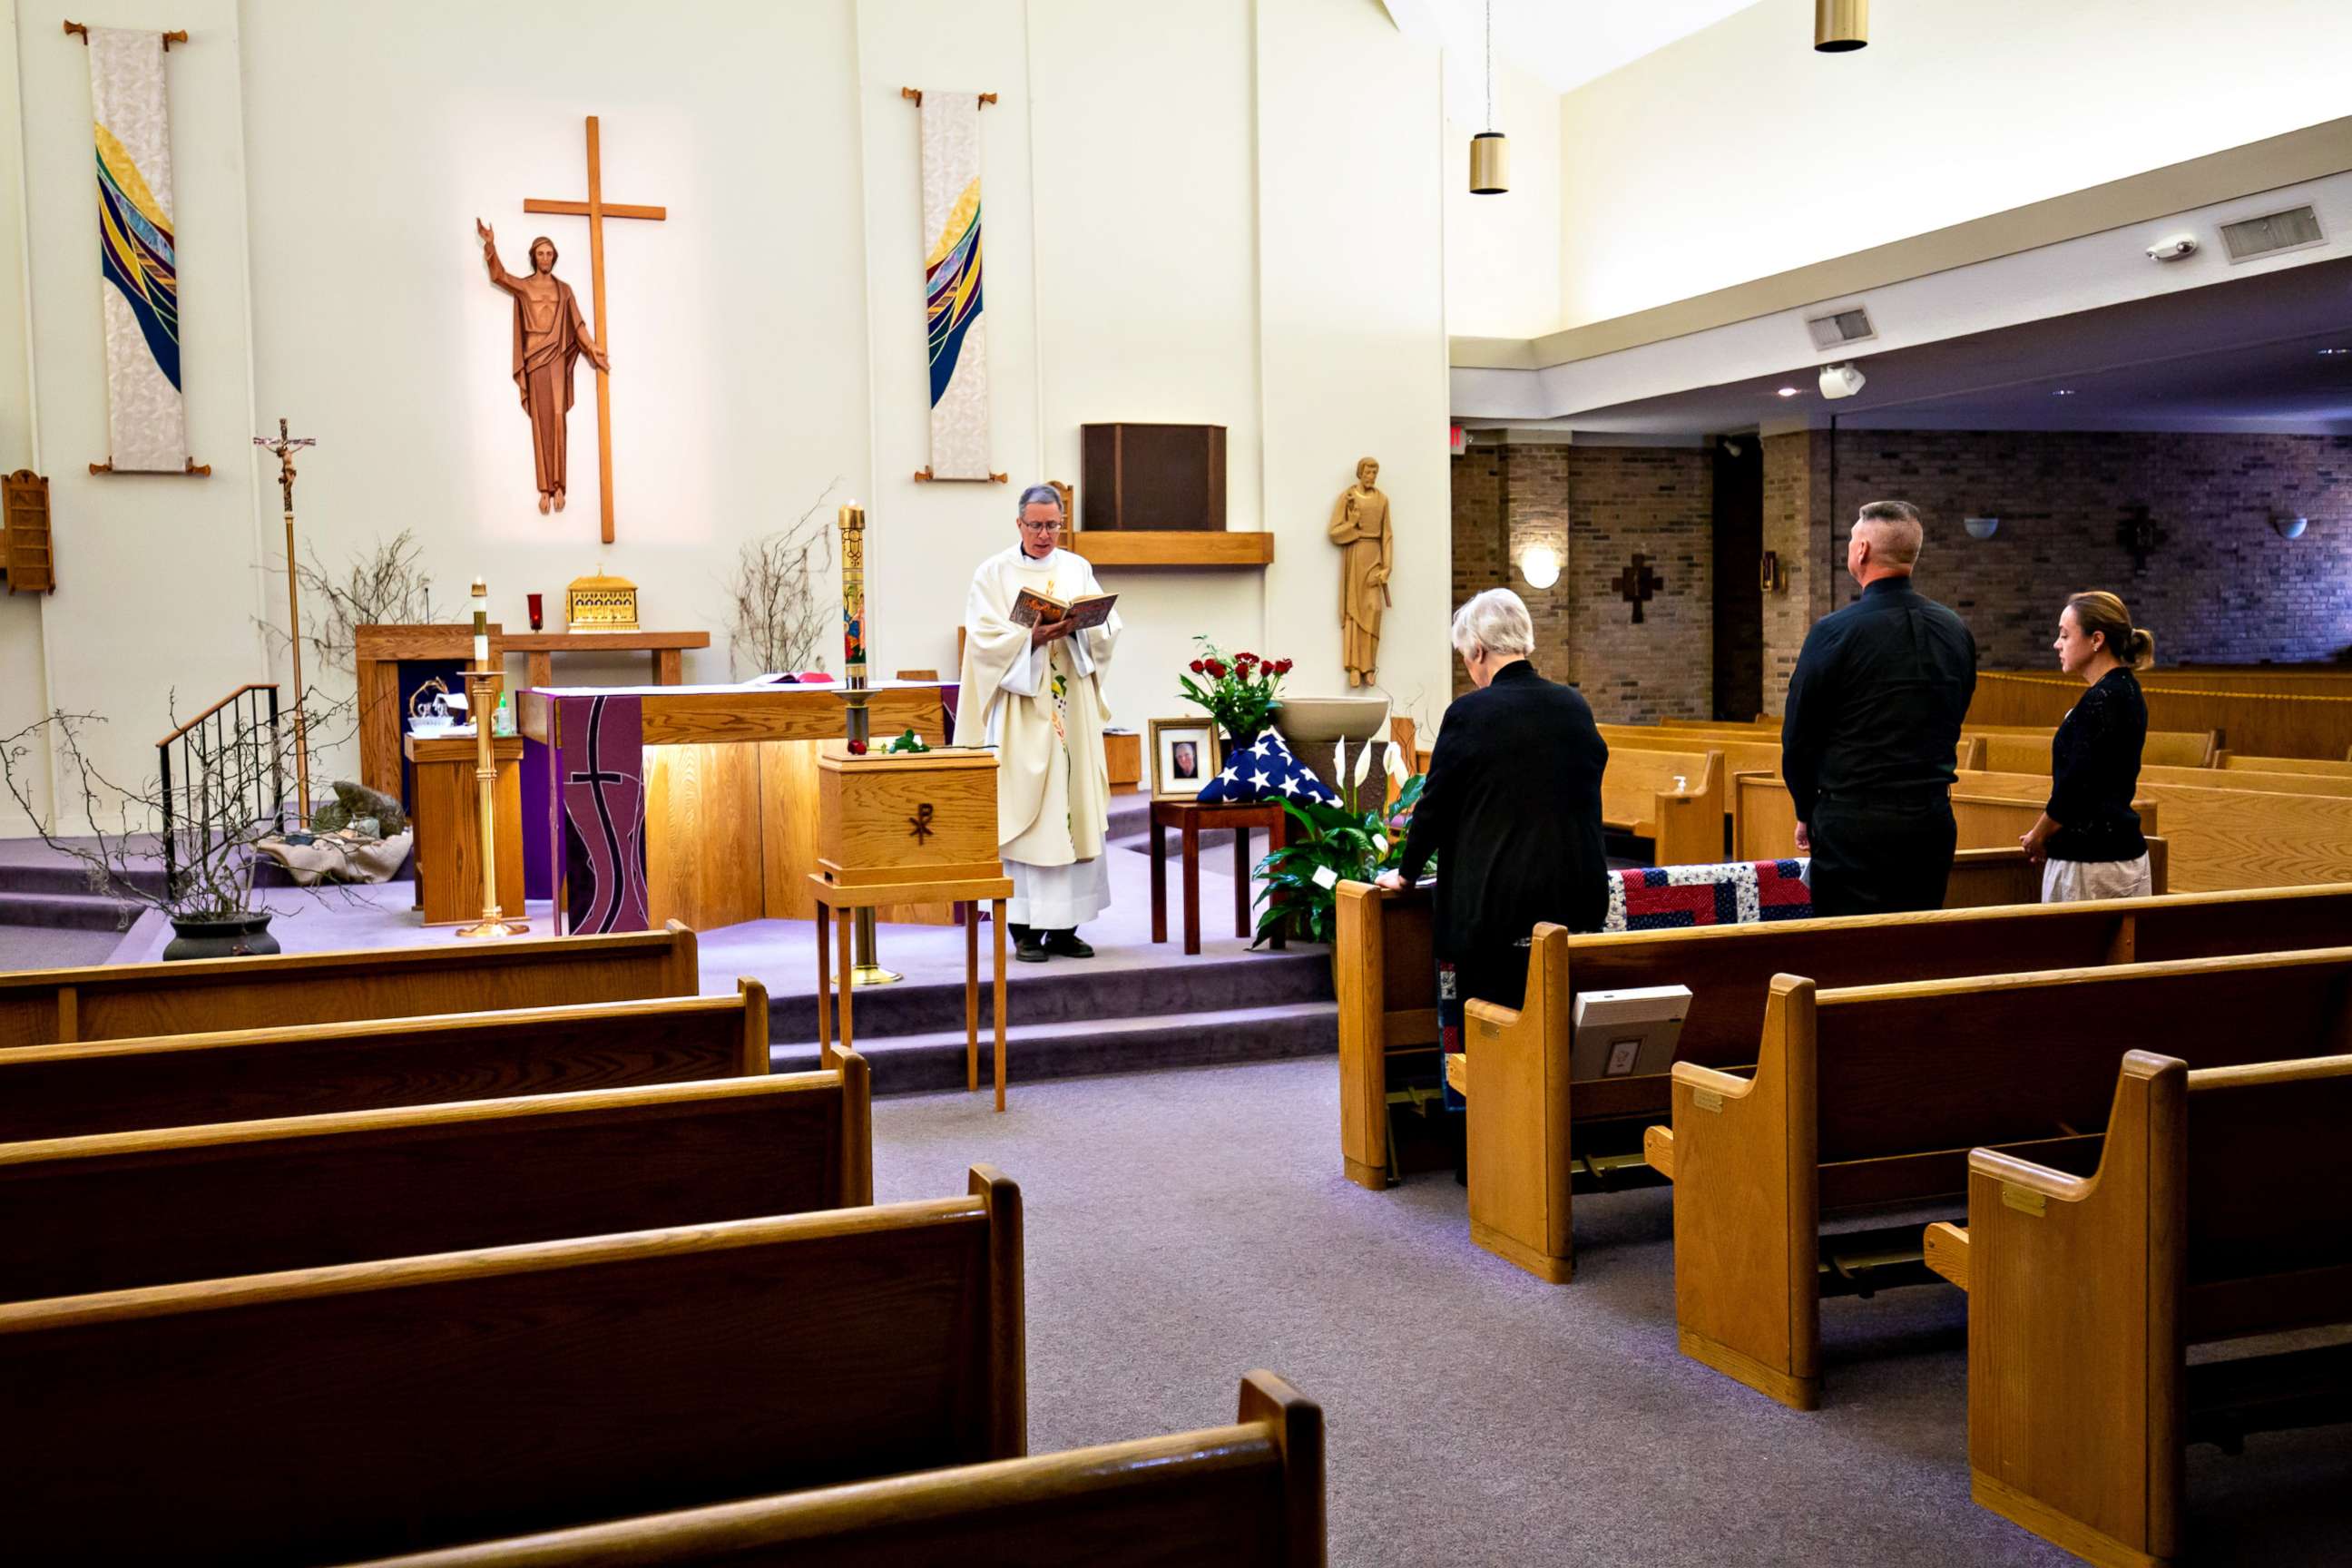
[2331,354]
[1490,154]
[1841,380]
[2063,391]
[1786,392]
[1539,564]
[1840,25]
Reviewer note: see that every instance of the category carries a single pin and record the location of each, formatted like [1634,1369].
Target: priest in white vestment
[1035,694]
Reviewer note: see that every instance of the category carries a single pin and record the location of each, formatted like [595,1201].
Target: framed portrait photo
[1184,757]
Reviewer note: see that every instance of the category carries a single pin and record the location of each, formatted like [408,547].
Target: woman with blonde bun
[2088,840]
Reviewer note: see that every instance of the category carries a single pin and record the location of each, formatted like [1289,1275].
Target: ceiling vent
[2296,229]
[1840,328]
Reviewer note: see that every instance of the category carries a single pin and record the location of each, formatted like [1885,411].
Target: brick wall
[2221,587]
[1596,506]
[1796,529]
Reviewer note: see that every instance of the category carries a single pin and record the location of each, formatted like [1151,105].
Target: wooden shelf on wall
[1152,547]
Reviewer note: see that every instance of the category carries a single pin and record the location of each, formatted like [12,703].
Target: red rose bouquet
[1240,691]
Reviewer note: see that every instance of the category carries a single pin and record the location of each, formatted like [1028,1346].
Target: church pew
[2027,751]
[2217,1212]
[2320,766]
[2270,713]
[55,1006]
[1988,810]
[118,1210]
[1759,754]
[2293,783]
[1528,1118]
[372,1408]
[1384,968]
[1246,1496]
[183,1080]
[1870,1098]
[1639,795]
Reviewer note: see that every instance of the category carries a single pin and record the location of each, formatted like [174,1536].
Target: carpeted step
[65,912]
[1077,991]
[924,1063]
[46,947]
[66,877]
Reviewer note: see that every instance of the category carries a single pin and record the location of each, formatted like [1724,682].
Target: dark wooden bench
[372,1408]
[105,1002]
[123,1210]
[180,1080]
[1246,1496]
[2217,1212]
[1871,1097]
[1524,1166]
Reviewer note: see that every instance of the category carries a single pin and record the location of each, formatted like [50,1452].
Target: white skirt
[1056,898]
[2077,881]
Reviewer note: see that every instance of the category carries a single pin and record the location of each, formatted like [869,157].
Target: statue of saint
[1359,526]
[549,335]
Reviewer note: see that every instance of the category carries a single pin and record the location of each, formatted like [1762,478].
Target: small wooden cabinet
[447,818]
[906,817]
[26,558]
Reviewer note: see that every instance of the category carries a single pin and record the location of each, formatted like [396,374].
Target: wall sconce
[1770,578]
[2290,527]
[1981,526]
[1539,564]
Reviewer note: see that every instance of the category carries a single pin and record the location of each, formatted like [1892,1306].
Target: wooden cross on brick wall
[1638,583]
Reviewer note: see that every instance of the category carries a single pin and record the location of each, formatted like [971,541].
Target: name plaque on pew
[886,818]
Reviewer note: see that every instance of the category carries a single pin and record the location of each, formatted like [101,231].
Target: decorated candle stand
[482,683]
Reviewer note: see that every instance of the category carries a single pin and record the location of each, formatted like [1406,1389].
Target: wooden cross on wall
[1637,582]
[596,209]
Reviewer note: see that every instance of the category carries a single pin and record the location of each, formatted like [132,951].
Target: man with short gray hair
[1034,693]
[1871,727]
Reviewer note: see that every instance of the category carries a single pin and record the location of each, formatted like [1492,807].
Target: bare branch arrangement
[779,615]
[388,586]
[233,799]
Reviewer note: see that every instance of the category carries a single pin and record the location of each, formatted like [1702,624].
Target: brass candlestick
[482,699]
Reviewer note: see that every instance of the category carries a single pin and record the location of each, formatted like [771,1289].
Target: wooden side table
[448,826]
[834,907]
[1192,819]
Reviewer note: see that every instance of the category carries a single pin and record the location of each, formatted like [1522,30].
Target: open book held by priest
[1089,610]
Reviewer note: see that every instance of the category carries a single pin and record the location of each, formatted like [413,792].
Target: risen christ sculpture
[549,335]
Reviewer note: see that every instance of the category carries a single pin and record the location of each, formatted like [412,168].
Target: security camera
[1841,380]
[2173,249]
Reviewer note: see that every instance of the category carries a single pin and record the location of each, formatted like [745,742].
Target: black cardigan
[1512,811]
[2094,771]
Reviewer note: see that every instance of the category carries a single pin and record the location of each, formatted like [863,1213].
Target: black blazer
[1512,811]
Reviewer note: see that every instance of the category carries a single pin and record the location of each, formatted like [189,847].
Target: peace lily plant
[1342,843]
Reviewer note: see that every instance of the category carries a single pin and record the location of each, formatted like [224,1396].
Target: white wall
[1502,253]
[1152,255]
[1352,290]
[22,676]
[1737,152]
[158,577]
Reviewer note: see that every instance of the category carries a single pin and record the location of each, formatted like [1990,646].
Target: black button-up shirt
[1876,701]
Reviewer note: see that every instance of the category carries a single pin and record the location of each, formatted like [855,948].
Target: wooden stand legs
[834,927]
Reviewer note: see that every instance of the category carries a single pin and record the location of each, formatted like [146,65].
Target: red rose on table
[856,748]
[1244,659]
[1282,667]
[1217,669]
[1198,667]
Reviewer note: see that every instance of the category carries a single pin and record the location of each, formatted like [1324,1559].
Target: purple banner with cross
[595,784]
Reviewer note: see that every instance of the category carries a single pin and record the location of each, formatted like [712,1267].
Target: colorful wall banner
[147,423]
[959,337]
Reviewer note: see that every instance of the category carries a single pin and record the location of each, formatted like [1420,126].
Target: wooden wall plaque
[1168,478]
[25,554]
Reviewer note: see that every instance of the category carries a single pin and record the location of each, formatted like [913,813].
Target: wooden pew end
[1946,1247]
[1658,1150]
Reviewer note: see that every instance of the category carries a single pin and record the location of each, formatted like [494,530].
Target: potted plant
[1340,844]
[228,794]
[1240,691]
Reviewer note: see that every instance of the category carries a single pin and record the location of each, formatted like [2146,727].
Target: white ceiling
[1567,43]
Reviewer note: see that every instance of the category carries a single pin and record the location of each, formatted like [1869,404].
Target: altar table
[698,803]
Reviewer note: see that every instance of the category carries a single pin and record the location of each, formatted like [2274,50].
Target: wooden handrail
[270,686]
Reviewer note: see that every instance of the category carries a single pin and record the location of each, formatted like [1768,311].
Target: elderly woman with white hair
[1512,808]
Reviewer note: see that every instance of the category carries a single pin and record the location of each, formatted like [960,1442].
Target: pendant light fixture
[1490,154]
[1840,25]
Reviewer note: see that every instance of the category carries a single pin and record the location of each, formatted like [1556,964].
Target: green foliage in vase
[1302,877]
[1241,690]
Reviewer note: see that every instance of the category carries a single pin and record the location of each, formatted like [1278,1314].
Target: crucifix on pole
[285,447]
[596,209]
